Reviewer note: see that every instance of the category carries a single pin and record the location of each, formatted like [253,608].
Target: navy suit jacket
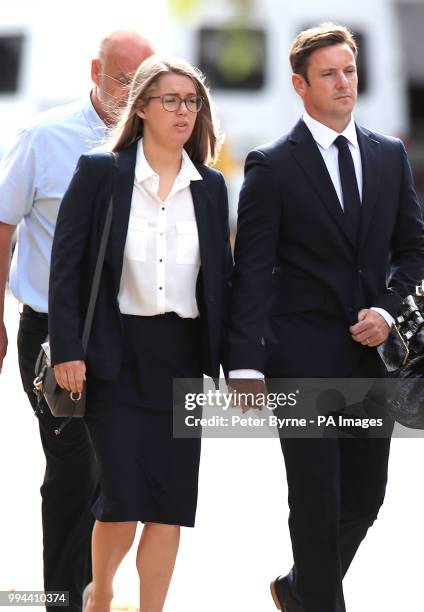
[299,279]
[75,247]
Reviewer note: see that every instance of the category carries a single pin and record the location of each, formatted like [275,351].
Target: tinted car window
[233,58]
[10,62]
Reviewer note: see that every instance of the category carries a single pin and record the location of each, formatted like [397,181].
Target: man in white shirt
[34,174]
[330,239]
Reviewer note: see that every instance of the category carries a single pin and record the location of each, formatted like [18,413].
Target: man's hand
[3,344]
[371,330]
[251,392]
[70,375]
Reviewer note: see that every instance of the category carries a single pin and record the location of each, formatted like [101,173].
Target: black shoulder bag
[62,403]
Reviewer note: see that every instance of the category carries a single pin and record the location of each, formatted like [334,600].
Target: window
[233,58]
[10,62]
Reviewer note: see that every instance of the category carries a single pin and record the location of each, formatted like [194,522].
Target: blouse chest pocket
[187,243]
[136,245]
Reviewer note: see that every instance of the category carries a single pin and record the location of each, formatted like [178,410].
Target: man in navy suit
[330,239]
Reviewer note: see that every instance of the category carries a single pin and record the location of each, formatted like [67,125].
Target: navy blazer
[75,246]
[299,278]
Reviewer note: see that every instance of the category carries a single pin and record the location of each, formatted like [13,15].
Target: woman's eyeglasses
[172,102]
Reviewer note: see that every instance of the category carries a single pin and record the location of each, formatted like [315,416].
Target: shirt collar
[93,119]
[326,136]
[188,169]
[143,170]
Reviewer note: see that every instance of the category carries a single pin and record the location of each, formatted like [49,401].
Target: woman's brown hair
[205,141]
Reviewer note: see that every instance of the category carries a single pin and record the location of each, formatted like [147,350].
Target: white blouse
[161,256]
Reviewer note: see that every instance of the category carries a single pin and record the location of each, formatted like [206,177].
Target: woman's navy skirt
[145,473]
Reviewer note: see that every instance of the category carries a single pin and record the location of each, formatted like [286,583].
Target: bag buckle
[38,384]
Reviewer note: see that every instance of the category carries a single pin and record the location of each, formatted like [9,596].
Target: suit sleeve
[69,244]
[407,253]
[258,226]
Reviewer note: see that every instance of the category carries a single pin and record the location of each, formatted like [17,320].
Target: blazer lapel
[200,199]
[122,196]
[306,153]
[371,170]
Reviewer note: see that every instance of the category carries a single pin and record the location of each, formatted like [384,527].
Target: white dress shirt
[161,256]
[34,174]
[324,138]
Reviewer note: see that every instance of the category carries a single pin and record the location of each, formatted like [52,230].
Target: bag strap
[99,265]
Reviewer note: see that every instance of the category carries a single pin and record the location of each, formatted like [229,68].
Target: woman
[159,314]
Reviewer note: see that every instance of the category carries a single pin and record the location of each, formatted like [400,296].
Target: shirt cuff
[245,374]
[386,316]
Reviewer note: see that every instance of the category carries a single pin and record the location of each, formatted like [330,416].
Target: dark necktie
[351,199]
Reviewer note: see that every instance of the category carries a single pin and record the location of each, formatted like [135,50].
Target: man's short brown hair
[322,35]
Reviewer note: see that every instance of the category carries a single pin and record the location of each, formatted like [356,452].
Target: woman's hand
[70,375]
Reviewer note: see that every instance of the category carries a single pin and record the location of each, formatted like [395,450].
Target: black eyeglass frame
[199,100]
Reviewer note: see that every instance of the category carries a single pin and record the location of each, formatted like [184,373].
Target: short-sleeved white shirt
[34,174]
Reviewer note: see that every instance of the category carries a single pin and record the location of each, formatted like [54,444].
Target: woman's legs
[156,556]
[110,543]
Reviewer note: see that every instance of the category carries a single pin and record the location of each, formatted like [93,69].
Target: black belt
[33,313]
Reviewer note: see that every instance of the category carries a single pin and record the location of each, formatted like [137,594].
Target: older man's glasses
[172,102]
[124,81]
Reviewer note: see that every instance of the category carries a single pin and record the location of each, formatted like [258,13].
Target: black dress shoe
[283,597]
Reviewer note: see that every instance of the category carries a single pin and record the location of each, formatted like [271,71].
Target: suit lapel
[200,199]
[308,156]
[371,170]
[122,192]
